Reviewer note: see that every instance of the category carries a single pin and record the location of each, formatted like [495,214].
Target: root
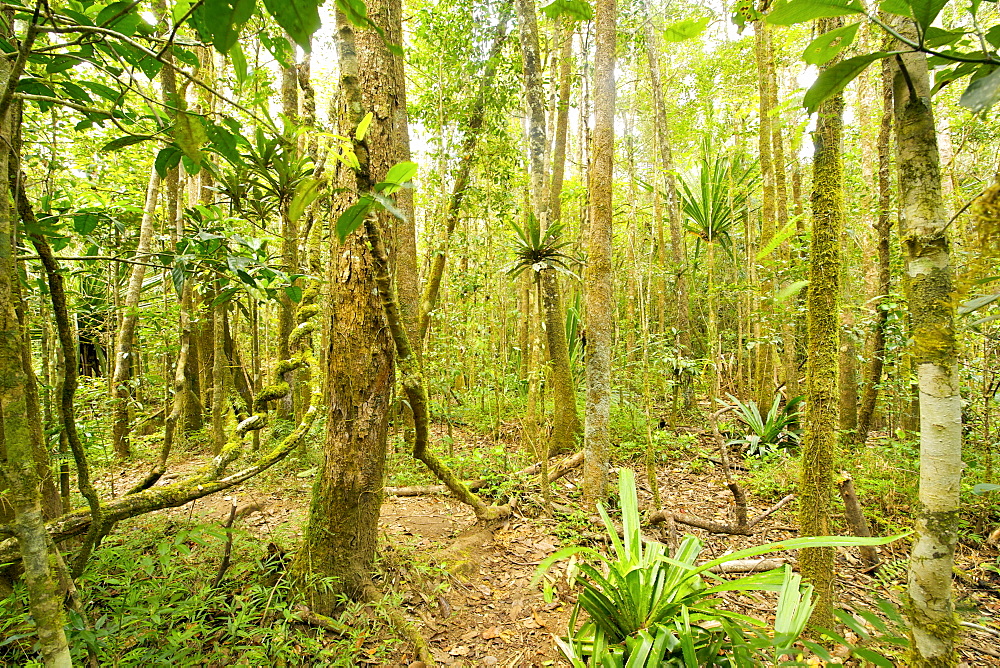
[403,626]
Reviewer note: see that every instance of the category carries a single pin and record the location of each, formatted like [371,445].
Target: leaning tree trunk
[823,329]
[124,354]
[600,295]
[342,531]
[933,624]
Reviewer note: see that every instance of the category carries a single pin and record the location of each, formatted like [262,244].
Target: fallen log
[556,472]
[748,566]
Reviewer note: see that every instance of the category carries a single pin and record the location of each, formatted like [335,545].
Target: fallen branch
[748,565]
[556,472]
[773,509]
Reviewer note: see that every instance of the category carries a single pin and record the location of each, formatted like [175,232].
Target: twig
[228,550]
[773,509]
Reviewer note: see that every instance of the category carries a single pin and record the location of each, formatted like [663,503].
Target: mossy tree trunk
[17,454]
[600,293]
[342,529]
[933,624]
[823,328]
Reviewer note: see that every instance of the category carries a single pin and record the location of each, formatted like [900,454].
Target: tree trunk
[432,286]
[682,318]
[600,292]
[823,325]
[869,399]
[130,317]
[17,456]
[933,622]
[567,423]
[342,531]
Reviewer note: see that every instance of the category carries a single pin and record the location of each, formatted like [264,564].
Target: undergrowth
[149,601]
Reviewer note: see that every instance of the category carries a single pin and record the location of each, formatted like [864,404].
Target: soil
[478,606]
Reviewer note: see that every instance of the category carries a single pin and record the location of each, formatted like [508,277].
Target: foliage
[777,431]
[537,249]
[714,194]
[150,602]
[648,609]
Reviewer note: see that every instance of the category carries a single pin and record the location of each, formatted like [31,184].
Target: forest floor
[469,589]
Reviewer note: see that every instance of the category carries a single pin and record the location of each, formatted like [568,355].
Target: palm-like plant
[714,193]
[647,609]
[779,429]
[539,249]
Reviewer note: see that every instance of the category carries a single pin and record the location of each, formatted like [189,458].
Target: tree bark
[600,293]
[816,486]
[933,624]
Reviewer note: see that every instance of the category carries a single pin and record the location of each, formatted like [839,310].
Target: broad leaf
[684,30]
[122,142]
[363,126]
[925,11]
[220,21]
[982,93]
[578,10]
[306,192]
[828,45]
[977,303]
[294,293]
[299,18]
[800,11]
[168,158]
[833,79]
[352,219]
[85,223]
[400,173]
[190,135]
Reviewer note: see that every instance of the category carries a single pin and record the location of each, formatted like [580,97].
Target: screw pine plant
[646,608]
[778,430]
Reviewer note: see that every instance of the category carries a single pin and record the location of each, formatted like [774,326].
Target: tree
[823,326]
[600,298]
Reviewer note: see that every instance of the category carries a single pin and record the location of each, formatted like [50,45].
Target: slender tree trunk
[124,354]
[566,422]
[816,486]
[600,290]
[432,286]
[764,364]
[933,624]
[682,318]
[562,121]
[883,225]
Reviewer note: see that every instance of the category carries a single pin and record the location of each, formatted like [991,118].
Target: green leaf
[61,64]
[189,133]
[362,130]
[305,194]
[984,487]
[355,11]
[85,223]
[180,9]
[834,79]
[352,219]
[299,18]
[790,290]
[828,45]
[872,657]
[122,142]
[977,303]
[120,16]
[167,159]
[400,173]
[925,11]
[685,30]
[578,10]
[240,68]
[798,11]
[779,238]
[982,93]
[220,21]
[294,293]
[897,7]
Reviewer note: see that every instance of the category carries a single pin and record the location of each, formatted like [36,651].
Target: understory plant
[646,608]
[776,431]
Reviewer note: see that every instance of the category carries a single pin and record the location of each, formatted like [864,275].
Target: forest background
[241,239]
